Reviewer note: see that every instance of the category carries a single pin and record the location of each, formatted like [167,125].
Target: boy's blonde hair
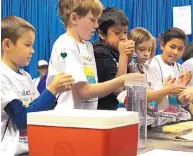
[12,28]
[139,35]
[81,7]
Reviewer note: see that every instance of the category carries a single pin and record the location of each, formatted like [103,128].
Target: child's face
[115,34]
[86,26]
[172,50]
[21,53]
[43,71]
[144,51]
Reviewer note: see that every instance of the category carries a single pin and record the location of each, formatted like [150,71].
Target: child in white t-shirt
[145,45]
[73,54]
[188,60]
[162,66]
[19,96]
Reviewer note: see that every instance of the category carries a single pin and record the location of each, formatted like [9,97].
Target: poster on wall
[182,18]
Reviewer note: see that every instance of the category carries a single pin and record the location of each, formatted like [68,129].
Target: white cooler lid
[97,119]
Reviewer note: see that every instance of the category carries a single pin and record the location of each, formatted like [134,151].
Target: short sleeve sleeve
[71,64]
[8,93]
[187,66]
[154,75]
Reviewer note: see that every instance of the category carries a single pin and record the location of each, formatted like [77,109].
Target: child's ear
[6,44]
[101,34]
[74,18]
[162,45]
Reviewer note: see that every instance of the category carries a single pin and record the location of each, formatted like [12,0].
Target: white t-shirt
[36,81]
[188,66]
[80,63]
[14,86]
[164,112]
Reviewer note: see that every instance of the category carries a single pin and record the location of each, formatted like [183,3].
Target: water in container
[137,101]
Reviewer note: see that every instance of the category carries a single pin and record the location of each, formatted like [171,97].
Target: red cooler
[83,133]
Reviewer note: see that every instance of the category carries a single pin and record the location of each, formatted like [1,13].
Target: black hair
[172,33]
[188,52]
[112,16]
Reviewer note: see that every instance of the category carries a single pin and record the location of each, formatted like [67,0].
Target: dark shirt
[42,84]
[106,62]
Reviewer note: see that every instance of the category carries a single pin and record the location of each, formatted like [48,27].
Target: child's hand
[187,95]
[61,83]
[174,89]
[126,48]
[185,78]
[169,80]
[171,88]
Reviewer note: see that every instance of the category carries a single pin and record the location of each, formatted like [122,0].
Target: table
[166,141]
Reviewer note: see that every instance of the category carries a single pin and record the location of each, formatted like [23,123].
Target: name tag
[23,136]
[173,104]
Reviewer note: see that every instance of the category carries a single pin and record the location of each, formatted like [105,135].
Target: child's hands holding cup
[61,83]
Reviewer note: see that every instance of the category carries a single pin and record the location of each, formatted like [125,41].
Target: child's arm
[157,95]
[106,67]
[83,90]
[170,89]
[126,48]
[18,113]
